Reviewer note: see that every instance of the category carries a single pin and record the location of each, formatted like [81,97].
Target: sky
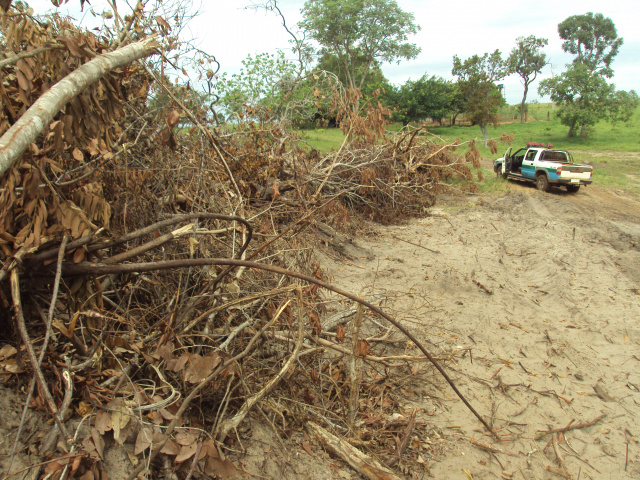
[230,31]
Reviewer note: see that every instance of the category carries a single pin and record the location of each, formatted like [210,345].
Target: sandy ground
[541,292]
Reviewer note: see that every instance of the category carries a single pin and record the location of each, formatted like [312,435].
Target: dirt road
[541,293]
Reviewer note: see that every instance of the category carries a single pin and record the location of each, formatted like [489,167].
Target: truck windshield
[554,156]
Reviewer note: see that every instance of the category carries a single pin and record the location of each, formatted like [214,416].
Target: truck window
[531,154]
[553,156]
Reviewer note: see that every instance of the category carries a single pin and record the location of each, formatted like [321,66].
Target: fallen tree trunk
[22,133]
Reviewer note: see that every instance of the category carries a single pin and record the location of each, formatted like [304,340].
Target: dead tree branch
[22,133]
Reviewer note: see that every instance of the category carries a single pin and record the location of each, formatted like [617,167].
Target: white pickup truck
[546,167]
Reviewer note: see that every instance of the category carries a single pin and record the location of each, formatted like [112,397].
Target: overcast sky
[229,31]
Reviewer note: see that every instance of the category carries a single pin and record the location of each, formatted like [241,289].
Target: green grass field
[613,150]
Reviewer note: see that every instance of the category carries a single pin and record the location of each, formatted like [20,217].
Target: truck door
[528,170]
[507,161]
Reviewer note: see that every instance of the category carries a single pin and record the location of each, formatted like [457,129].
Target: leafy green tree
[361,34]
[622,106]
[482,98]
[582,92]
[527,61]
[265,88]
[593,39]
[424,98]
[375,79]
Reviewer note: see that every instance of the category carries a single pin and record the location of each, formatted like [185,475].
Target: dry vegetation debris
[141,316]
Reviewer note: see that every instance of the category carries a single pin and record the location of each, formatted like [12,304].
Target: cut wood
[492,448]
[22,133]
[361,463]
[570,427]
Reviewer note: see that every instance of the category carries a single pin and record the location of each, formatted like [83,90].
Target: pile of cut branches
[142,316]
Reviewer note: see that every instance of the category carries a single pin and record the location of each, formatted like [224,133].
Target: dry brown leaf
[184,438]
[120,418]
[177,364]
[170,448]
[78,255]
[143,440]
[11,366]
[23,82]
[72,44]
[77,154]
[93,147]
[173,118]
[164,352]
[220,468]
[155,417]
[163,23]
[25,69]
[90,448]
[340,333]
[7,351]
[362,348]
[307,448]
[98,441]
[186,452]
[201,367]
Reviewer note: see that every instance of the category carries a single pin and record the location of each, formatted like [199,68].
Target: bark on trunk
[22,133]
[485,133]
[583,131]
[524,99]
[572,129]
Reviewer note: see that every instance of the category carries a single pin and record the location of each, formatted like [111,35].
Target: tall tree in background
[482,98]
[582,92]
[362,34]
[527,61]
[593,39]
[375,79]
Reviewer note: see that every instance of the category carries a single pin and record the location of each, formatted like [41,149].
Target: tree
[375,79]
[361,33]
[582,92]
[258,88]
[424,98]
[482,98]
[527,60]
[592,39]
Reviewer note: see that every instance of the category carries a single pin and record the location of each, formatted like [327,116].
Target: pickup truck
[541,164]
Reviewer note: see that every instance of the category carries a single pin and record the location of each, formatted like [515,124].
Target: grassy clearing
[613,150]
[323,139]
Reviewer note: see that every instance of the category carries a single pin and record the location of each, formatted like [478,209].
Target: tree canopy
[527,61]
[360,33]
[582,91]
[427,97]
[482,98]
[593,39]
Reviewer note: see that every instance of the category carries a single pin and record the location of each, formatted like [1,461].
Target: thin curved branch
[32,53]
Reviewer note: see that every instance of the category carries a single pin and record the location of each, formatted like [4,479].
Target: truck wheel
[573,188]
[542,183]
